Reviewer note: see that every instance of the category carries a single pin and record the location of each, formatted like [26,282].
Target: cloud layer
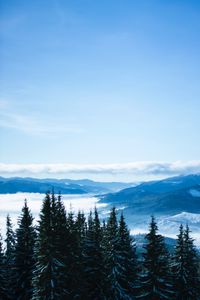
[135,168]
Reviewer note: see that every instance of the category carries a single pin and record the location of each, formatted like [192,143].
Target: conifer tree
[10,241]
[127,261]
[61,244]
[192,260]
[185,269]
[113,260]
[46,279]
[78,237]
[10,258]
[24,254]
[3,278]
[155,280]
[93,271]
[179,266]
[71,253]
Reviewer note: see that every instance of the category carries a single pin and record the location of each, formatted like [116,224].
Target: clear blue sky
[99,82]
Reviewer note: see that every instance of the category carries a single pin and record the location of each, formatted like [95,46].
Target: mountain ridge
[65,186]
[172,195]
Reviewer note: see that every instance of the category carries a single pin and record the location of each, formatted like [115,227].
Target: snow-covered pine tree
[156,277]
[109,244]
[93,263]
[192,265]
[179,274]
[185,268]
[118,281]
[127,259]
[10,258]
[76,226]
[71,252]
[46,279]
[3,278]
[61,245]
[77,267]
[24,254]
[43,279]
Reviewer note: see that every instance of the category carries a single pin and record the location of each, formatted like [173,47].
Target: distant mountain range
[172,201]
[170,196]
[65,186]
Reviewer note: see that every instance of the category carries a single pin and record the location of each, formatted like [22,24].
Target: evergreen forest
[68,256]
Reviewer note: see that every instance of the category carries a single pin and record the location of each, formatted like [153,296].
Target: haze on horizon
[110,88]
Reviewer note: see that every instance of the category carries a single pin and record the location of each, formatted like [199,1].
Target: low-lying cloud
[135,168]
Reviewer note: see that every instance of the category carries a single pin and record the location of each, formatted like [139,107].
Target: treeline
[69,257]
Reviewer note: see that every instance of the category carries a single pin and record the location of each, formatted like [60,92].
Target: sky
[102,89]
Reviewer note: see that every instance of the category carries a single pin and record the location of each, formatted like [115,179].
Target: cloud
[134,168]
[34,125]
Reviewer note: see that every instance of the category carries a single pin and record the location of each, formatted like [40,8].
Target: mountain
[65,186]
[14,185]
[102,187]
[169,196]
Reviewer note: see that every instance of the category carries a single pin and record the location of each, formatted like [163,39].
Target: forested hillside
[67,256]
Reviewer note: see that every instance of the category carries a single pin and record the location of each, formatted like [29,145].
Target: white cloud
[135,168]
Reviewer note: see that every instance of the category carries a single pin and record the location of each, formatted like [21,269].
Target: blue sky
[98,83]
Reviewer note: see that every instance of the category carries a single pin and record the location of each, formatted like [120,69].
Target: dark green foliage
[10,258]
[70,259]
[61,244]
[78,233]
[48,281]
[185,268]
[120,259]
[127,261]
[93,263]
[10,241]
[3,277]
[24,255]
[155,278]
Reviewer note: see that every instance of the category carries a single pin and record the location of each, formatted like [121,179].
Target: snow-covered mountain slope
[169,196]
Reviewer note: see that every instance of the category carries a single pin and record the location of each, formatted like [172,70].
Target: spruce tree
[185,268]
[192,260]
[24,255]
[10,258]
[3,278]
[155,279]
[46,281]
[77,267]
[61,245]
[71,254]
[114,268]
[93,263]
[127,262]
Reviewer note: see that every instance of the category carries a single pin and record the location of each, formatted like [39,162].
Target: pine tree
[71,254]
[113,261]
[10,241]
[61,244]
[77,268]
[192,259]
[93,263]
[155,280]
[10,258]
[3,278]
[46,281]
[24,254]
[127,261]
[185,269]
